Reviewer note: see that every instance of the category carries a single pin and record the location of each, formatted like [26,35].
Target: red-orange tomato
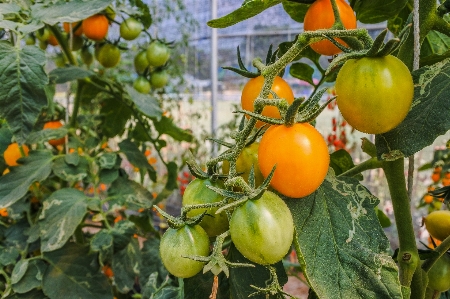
[95,27]
[253,88]
[77,32]
[301,156]
[320,16]
[54,125]
[52,40]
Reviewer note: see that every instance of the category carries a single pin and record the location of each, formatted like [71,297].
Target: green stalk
[76,105]
[63,44]
[372,163]
[408,257]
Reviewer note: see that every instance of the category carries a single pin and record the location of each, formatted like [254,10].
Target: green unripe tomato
[43,45]
[196,193]
[244,163]
[43,34]
[263,229]
[86,56]
[109,55]
[439,274]
[159,79]
[142,85]
[60,60]
[185,241]
[141,62]
[30,40]
[157,54]
[130,29]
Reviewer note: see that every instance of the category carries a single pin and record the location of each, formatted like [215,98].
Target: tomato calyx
[178,222]
[273,288]
[378,48]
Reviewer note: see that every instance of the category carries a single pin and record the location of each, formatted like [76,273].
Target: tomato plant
[109,55]
[251,91]
[95,27]
[157,54]
[297,177]
[130,29]
[320,16]
[375,94]
[262,229]
[185,241]
[196,193]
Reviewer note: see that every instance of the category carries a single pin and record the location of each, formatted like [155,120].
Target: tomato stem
[408,257]
[372,163]
[337,17]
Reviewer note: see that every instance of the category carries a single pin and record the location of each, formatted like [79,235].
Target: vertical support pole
[214,79]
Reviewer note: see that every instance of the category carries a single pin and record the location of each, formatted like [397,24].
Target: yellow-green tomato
[130,29]
[439,274]
[141,62]
[196,193]
[185,241]
[159,79]
[157,54]
[263,229]
[142,85]
[244,163]
[437,224]
[109,55]
[374,94]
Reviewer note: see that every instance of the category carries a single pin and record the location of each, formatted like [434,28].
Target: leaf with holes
[22,95]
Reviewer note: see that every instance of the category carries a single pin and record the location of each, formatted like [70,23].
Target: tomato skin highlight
[320,16]
[187,240]
[253,88]
[301,156]
[197,192]
[374,94]
[95,27]
[263,229]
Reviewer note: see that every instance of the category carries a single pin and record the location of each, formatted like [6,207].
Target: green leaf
[172,175]
[241,278]
[167,126]
[72,11]
[61,214]
[342,161]
[70,172]
[16,235]
[125,265]
[70,73]
[340,243]
[145,103]
[146,17]
[9,8]
[73,273]
[376,11]
[108,160]
[152,289]
[116,115]
[383,218]
[31,273]
[122,234]
[46,135]
[8,256]
[14,185]
[296,11]
[34,294]
[129,193]
[302,71]
[397,23]
[428,115]
[22,95]
[200,286]
[249,8]
[151,260]
[102,242]
[136,157]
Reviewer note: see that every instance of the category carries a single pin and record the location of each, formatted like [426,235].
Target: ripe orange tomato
[301,156]
[95,27]
[77,32]
[52,40]
[54,125]
[253,88]
[320,16]
[12,153]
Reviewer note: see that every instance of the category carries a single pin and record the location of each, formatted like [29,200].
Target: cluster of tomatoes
[150,63]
